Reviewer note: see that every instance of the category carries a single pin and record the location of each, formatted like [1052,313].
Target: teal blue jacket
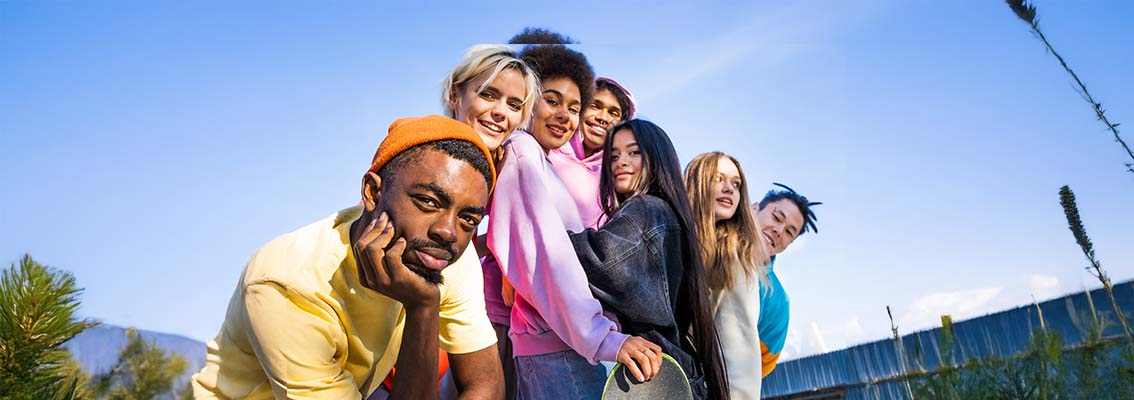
[775,311]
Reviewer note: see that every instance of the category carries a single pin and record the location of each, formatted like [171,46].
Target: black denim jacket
[634,264]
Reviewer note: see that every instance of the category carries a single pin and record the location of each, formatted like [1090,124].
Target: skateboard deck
[670,383]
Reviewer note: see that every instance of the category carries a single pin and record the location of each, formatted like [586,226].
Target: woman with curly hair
[734,253]
[557,328]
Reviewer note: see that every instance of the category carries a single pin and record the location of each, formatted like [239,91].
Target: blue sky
[151,147]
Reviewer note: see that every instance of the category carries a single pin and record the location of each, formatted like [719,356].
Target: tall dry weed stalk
[1075,223]
[901,347]
[1027,12]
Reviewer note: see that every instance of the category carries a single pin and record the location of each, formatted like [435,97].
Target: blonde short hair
[489,58]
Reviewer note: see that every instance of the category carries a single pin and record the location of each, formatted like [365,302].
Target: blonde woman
[734,253]
[493,91]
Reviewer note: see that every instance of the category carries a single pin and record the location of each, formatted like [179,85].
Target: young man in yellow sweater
[326,311]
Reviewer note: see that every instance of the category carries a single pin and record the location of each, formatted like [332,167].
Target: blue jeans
[562,375]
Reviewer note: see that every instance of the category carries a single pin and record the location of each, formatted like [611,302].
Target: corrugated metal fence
[868,371]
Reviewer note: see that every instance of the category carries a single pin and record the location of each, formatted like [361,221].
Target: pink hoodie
[581,174]
[531,212]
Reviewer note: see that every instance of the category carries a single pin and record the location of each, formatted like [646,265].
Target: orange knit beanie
[407,132]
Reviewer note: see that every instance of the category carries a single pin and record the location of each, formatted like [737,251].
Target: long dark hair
[661,177]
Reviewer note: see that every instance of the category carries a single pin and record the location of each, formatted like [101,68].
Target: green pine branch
[38,308]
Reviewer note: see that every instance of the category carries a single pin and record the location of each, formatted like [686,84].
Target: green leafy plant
[1043,364]
[1045,370]
[945,382]
[1089,361]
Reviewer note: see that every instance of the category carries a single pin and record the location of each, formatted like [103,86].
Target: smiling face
[625,162]
[435,203]
[556,114]
[726,189]
[495,111]
[600,116]
[780,222]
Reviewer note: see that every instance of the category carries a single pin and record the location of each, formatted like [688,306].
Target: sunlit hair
[729,245]
[489,59]
[660,176]
[535,35]
[546,53]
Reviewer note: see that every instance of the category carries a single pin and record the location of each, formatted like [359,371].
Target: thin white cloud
[691,63]
[792,348]
[817,338]
[852,332]
[764,40]
[926,311]
[818,341]
[1044,287]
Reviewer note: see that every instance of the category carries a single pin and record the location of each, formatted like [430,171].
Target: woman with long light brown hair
[736,257]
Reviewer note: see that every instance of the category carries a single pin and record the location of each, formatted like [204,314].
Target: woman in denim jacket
[644,264]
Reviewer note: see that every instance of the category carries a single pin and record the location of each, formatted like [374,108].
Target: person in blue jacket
[783,215]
